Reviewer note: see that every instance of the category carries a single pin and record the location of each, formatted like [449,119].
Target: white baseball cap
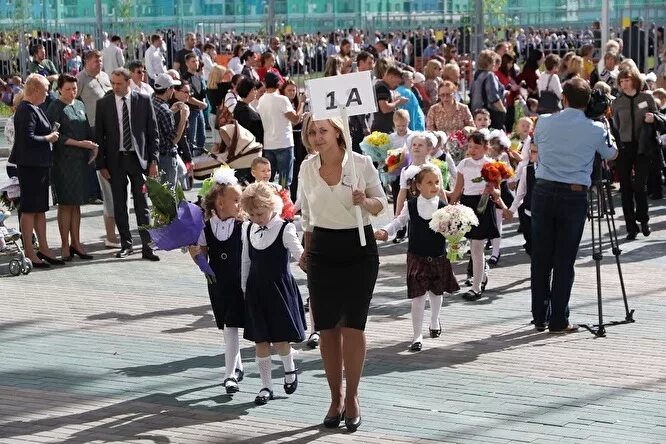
[165,81]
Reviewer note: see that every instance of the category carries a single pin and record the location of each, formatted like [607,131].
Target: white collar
[275,220]
[432,200]
[127,96]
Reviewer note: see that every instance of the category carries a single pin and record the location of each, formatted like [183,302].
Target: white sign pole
[354,176]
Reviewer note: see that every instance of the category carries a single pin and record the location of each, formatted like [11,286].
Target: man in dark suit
[126,131]
[634,39]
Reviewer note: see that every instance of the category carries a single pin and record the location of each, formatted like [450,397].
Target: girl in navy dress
[429,272]
[221,242]
[469,194]
[273,305]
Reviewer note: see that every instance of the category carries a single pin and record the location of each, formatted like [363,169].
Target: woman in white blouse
[341,273]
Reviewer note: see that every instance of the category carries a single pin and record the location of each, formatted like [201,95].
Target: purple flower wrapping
[184,230]
[203,264]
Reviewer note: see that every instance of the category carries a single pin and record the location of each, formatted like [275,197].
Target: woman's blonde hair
[486,60]
[575,66]
[216,75]
[260,196]
[451,71]
[307,117]
[33,82]
[336,123]
[333,66]
[430,70]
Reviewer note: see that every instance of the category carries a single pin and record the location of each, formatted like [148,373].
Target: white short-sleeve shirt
[471,169]
[272,108]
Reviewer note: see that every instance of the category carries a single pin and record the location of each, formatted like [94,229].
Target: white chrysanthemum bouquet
[453,222]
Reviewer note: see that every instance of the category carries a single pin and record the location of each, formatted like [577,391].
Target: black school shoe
[264,396]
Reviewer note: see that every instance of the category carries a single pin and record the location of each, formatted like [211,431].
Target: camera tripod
[600,208]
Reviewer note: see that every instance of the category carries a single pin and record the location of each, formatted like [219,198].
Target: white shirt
[222,230]
[119,110]
[10,134]
[520,193]
[207,65]
[144,88]
[425,208]
[154,62]
[525,154]
[398,141]
[230,101]
[260,240]
[555,84]
[331,207]
[278,133]
[471,169]
[113,58]
[235,65]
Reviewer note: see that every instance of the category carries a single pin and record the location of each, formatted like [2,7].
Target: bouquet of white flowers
[453,222]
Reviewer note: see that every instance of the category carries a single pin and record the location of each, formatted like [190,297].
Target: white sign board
[353,91]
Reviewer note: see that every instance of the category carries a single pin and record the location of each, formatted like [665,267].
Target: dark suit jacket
[30,146]
[144,130]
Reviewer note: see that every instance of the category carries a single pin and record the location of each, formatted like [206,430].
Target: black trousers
[129,168]
[633,187]
[526,223]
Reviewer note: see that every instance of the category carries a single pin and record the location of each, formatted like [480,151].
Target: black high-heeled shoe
[333,422]
[353,424]
[50,260]
[74,252]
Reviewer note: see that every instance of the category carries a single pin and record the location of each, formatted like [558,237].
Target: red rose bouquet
[493,173]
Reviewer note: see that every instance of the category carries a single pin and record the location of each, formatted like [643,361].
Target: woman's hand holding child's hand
[381,235]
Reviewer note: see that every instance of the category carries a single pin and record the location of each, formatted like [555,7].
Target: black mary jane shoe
[484,283]
[50,260]
[494,260]
[239,374]
[264,396]
[471,295]
[230,389]
[353,424]
[333,422]
[74,252]
[313,340]
[290,387]
[436,333]
[416,346]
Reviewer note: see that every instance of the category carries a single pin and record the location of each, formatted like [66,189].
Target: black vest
[422,240]
[529,186]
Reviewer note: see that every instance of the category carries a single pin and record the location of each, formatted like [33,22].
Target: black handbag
[548,101]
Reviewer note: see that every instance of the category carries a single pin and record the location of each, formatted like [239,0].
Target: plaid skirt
[429,274]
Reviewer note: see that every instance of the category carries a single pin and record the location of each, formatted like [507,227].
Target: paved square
[126,350]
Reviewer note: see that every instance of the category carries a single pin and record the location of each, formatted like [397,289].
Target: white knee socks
[498,240]
[289,366]
[418,307]
[435,307]
[232,359]
[478,260]
[264,365]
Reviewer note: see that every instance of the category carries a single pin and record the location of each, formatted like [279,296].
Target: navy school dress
[226,296]
[273,305]
[487,228]
[428,269]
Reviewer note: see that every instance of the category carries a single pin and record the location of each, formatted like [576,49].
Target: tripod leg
[610,221]
[594,199]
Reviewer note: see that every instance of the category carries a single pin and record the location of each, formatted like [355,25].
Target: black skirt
[341,277]
[34,186]
[487,228]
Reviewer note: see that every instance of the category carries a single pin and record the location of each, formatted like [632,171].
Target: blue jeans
[196,133]
[282,164]
[558,219]
[169,168]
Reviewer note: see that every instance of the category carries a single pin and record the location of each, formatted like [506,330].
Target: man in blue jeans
[277,116]
[567,142]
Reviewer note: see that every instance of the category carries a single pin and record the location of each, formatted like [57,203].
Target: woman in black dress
[32,156]
[72,153]
[341,272]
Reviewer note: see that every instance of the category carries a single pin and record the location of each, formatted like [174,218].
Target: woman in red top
[530,73]
[268,64]
[506,74]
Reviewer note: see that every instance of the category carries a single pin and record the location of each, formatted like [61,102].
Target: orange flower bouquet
[493,173]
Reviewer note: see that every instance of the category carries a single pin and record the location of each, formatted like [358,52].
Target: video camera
[597,108]
[598,105]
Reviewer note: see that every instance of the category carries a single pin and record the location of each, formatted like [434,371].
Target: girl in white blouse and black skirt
[341,273]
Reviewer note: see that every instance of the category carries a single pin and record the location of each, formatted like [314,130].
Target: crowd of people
[123,117]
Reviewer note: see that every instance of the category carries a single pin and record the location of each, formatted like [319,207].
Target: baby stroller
[19,264]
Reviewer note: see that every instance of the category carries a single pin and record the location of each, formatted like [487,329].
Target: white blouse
[221,229]
[264,238]
[331,207]
[471,169]
[425,208]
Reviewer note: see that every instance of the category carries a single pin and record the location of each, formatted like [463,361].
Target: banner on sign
[353,91]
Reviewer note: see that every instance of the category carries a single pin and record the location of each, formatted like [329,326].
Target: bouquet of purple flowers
[177,223]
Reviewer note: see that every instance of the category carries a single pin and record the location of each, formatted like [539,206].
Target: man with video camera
[568,142]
